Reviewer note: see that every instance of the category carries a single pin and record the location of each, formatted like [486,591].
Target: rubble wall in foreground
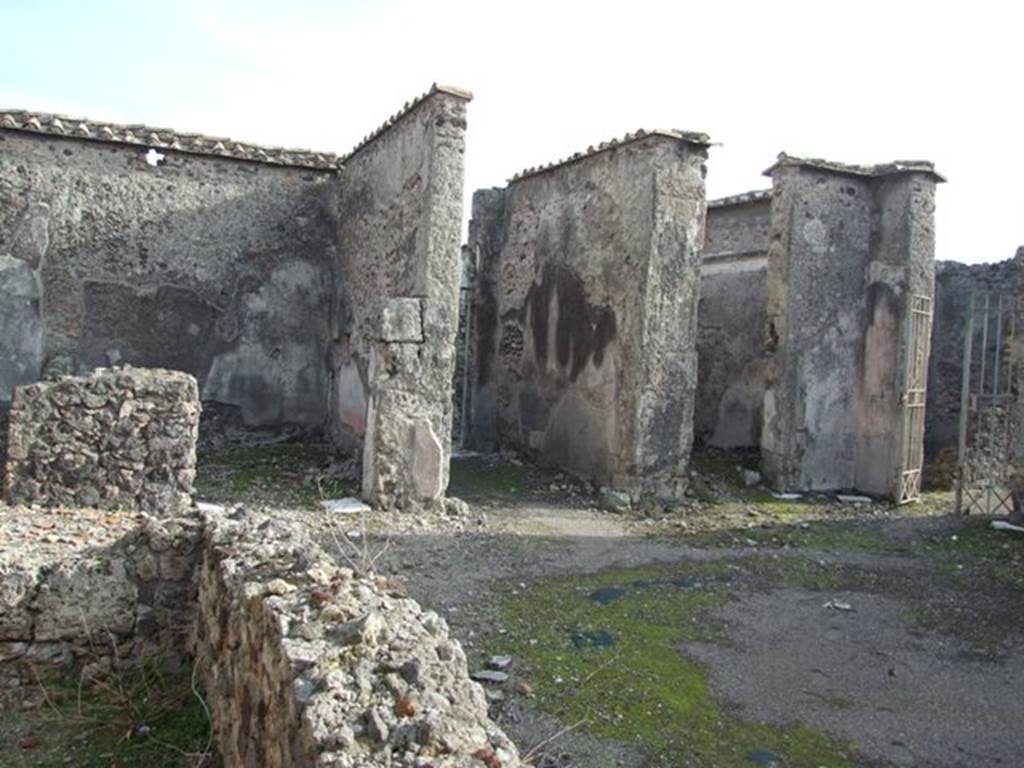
[306,663]
[86,589]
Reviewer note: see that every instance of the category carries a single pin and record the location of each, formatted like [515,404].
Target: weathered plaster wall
[396,311]
[738,225]
[584,324]
[731,318]
[954,283]
[215,266]
[849,248]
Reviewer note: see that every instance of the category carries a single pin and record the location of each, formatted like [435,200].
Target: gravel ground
[924,671]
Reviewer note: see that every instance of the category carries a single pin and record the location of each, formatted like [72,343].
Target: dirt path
[698,635]
[899,678]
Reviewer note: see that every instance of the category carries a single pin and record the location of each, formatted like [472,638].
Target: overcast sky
[854,81]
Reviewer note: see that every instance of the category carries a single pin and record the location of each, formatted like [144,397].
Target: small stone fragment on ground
[1002,525]
[489,676]
[345,506]
[615,501]
[751,478]
[848,498]
[838,605]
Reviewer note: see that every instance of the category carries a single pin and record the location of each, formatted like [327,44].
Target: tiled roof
[755,196]
[408,107]
[688,136]
[884,169]
[162,138]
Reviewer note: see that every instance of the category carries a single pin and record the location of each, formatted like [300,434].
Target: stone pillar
[584,325]
[396,315]
[850,256]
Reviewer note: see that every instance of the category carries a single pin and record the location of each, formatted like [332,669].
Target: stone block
[118,438]
[426,461]
[402,321]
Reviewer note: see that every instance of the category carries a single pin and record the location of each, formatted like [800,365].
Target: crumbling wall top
[162,138]
[873,171]
[690,137]
[407,108]
[754,196]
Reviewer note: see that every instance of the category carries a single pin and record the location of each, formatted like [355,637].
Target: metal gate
[915,390]
[986,405]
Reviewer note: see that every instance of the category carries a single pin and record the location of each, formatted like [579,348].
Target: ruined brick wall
[120,438]
[306,663]
[731,320]
[396,310]
[91,589]
[850,247]
[584,319]
[303,662]
[216,266]
[954,283]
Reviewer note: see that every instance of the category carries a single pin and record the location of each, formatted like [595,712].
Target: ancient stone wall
[88,588]
[462,352]
[120,438]
[307,663]
[731,318]
[396,309]
[303,662]
[215,265]
[584,320]
[850,248]
[1015,449]
[954,284]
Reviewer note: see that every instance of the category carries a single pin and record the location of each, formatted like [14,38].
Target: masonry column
[396,314]
[585,324]
[849,298]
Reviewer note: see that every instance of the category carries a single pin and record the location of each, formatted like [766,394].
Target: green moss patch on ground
[490,475]
[145,716]
[604,649]
[289,474]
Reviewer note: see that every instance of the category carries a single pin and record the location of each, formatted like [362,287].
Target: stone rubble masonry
[954,284]
[396,312]
[86,587]
[1015,452]
[211,264]
[119,438]
[850,246]
[306,663]
[583,325]
[300,289]
[733,316]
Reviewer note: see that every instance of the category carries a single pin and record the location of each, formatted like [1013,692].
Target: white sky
[858,81]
